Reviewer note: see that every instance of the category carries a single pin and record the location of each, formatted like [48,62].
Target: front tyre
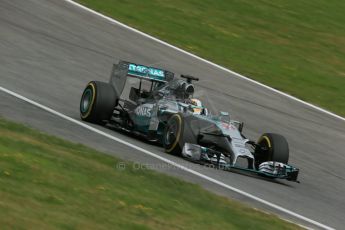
[177,133]
[97,102]
[271,147]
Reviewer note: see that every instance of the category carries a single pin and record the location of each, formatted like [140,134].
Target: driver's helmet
[198,109]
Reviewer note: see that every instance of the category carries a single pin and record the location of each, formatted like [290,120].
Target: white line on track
[77,122]
[204,60]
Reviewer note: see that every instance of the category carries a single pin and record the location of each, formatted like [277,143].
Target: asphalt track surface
[49,50]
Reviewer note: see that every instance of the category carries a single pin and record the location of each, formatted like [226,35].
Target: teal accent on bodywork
[146,72]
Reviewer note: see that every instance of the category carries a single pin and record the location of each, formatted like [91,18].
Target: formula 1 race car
[152,103]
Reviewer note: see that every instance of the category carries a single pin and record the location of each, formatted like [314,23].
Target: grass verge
[295,46]
[49,183]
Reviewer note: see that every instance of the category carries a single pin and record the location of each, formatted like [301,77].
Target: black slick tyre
[97,102]
[177,133]
[272,147]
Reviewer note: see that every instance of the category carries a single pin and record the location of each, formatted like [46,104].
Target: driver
[197,106]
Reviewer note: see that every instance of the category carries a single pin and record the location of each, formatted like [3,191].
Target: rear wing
[123,69]
[149,73]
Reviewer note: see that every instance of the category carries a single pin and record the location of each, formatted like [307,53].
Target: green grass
[49,183]
[296,46]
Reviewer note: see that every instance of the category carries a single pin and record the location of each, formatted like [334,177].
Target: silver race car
[153,104]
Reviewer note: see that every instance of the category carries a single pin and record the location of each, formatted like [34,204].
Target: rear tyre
[97,102]
[271,147]
[177,133]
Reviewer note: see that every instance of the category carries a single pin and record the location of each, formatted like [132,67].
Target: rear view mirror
[239,125]
[224,117]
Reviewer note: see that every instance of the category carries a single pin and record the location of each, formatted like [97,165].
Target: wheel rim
[170,136]
[86,100]
[265,142]
[266,146]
